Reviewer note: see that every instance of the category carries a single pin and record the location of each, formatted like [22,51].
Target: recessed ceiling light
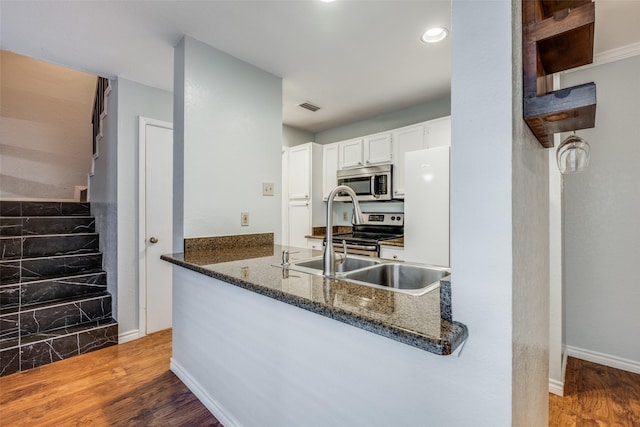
[434,35]
[327,1]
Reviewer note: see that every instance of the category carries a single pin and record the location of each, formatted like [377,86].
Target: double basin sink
[415,279]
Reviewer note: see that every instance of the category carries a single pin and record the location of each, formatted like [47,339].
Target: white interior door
[158,228]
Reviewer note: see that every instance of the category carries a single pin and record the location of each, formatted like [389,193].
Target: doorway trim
[142,218]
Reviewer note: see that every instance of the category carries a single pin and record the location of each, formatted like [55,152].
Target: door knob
[153,240]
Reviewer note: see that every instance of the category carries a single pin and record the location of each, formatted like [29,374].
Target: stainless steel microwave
[371,183]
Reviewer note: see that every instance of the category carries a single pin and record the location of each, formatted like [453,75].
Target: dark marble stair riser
[70,244]
[9,361]
[65,287]
[37,226]
[9,272]
[10,226]
[64,315]
[80,340]
[27,208]
[54,267]
[9,296]
[9,327]
[10,248]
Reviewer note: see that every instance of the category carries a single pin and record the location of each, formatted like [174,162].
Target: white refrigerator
[426,206]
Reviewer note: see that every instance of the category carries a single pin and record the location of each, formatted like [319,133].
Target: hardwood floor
[596,395]
[123,385]
[131,385]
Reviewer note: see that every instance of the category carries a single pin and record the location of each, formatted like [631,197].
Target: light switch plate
[267,189]
[244,219]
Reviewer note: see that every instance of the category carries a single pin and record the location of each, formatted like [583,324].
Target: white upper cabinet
[370,150]
[351,153]
[330,165]
[410,138]
[378,149]
[299,172]
[439,132]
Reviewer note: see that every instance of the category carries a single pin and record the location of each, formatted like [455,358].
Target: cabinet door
[439,132]
[377,149]
[404,140]
[315,244]
[350,153]
[300,172]
[330,166]
[299,223]
[396,254]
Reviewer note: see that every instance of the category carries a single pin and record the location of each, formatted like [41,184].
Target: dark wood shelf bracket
[557,35]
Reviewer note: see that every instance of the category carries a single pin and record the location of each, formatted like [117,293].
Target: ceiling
[353,58]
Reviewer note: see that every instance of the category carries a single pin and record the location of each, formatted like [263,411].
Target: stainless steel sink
[406,278]
[314,265]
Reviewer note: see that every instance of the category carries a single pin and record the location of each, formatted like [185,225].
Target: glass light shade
[573,155]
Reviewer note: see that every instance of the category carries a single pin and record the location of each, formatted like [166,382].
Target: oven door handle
[356,247]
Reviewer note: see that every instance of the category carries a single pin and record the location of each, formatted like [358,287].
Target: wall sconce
[573,155]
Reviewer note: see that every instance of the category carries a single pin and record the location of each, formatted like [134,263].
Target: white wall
[232,143]
[602,208]
[45,148]
[407,116]
[499,223]
[114,190]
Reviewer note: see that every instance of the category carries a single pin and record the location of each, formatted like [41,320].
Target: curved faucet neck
[329,261]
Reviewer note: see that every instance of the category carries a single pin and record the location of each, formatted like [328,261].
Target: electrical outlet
[244,219]
[344,216]
[267,188]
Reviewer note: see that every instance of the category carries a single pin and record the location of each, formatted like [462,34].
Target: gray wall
[293,136]
[134,100]
[114,191]
[230,147]
[602,210]
[103,193]
[407,116]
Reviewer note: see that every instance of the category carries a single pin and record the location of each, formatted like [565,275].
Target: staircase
[54,302]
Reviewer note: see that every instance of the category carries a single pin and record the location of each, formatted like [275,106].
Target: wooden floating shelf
[557,36]
[563,110]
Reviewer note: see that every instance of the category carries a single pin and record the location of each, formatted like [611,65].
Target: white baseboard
[604,359]
[557,386]
[210,403]
[128,336]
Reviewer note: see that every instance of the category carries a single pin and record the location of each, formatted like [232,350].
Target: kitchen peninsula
[246,330]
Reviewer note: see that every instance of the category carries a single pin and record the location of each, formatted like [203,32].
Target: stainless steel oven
[364,239]
[370,183]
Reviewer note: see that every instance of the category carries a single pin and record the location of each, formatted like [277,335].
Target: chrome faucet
[329,256]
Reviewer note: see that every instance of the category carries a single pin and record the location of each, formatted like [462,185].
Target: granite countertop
[420,321]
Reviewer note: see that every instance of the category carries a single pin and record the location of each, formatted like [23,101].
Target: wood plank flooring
[596,395]
[131,385]
[123,385]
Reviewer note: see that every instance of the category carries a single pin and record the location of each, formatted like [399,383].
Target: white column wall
[232,130]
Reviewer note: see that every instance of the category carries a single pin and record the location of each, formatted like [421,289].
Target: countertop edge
[443,346]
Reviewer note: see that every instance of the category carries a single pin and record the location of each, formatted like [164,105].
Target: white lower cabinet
[314,244]
[299,223]
[394,253]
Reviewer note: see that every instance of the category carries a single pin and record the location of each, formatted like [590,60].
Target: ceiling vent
[309,106]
